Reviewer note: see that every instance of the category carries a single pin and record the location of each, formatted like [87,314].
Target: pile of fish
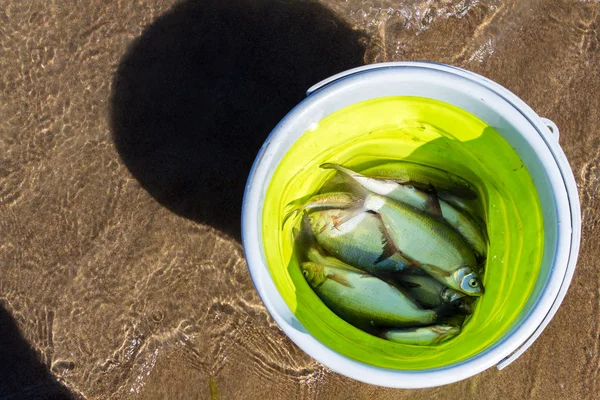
[396,251]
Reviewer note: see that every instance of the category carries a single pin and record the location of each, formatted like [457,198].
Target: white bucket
[536,141]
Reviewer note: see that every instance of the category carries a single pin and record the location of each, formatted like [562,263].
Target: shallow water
[122,269]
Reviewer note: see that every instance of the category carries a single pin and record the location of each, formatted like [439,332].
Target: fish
[362,299]
[465,224]
[324,201]
[307,248]
[355,239]
[473,206]
[432,244]
[431,293]
[423,336]
[423,177]
[389,188]
[461,221]
[439,250]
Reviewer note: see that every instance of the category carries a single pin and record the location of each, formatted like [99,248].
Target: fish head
[313,273]
[320,221]
[469,281]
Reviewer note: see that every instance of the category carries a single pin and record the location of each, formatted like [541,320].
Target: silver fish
[423,177]
[308,249]
[472,206]
[431,293]
[389,188]
[439,249]
[362,299]
[324,201]
[466,225]
[423,336]
[356,239]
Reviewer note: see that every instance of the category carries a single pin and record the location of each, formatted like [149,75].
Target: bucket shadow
[22,374]
[197,94]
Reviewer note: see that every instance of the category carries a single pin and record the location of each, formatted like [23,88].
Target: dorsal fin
[389,248]
[433,206]
[410,285]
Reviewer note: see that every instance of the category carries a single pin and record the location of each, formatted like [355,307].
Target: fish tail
[304,235]
[327,201]
[374,192]
[367,200]
[351,177]
[290,215]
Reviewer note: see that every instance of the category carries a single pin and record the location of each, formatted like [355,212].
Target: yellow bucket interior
[433,133]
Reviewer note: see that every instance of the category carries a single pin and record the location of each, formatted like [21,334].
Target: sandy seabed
[127,130]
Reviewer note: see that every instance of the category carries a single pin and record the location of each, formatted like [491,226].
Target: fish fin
[296,234]
[339,279]
[390,248]
[433,206]
[335,184]
[288,216]
[352,212]
[349,177]
[305,227]
[409,285]
[304,239]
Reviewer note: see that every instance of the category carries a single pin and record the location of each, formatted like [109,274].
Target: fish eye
[473,282]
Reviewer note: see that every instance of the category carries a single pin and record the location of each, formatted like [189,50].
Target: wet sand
[126,134]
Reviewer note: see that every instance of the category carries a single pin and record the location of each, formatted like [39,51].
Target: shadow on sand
[22,374]
[197,94]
